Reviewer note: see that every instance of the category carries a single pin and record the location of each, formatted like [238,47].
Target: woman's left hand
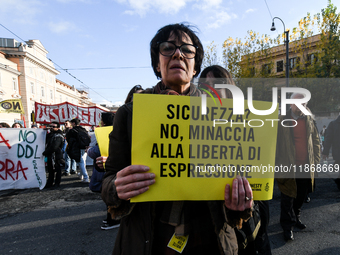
[100,161]
[241,196]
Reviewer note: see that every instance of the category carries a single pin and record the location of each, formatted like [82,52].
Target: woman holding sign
[200,227]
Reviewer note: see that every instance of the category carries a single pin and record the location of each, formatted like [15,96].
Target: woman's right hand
[133,180]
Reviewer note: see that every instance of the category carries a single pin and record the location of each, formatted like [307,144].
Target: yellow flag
[11,105]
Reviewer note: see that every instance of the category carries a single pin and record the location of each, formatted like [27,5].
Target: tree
[314,53]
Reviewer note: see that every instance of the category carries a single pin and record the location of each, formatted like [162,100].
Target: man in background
[53,152]
[77,151]
[70,164]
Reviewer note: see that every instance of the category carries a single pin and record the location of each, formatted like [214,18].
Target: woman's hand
[100,161]
[133,180]
[241,196]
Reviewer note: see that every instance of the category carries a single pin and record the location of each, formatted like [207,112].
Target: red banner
[88,116]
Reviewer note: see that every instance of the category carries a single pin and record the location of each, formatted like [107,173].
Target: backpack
[83,139]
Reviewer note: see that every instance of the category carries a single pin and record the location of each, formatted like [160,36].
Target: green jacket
[285,154]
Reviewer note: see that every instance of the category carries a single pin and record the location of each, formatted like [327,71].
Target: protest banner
[22,164]
[194,155]
[11,105]
[88,116]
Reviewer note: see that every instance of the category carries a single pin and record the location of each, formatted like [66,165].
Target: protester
[298,146]
[135,89]
[146,228]
[216,74]
[16,125]
[77,151]
[332,140]
[34,126]
[93,127]
[70,164]
[252,237]
[4,125]
[98,170]
[53,152]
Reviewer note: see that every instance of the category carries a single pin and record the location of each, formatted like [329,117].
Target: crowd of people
[236,225]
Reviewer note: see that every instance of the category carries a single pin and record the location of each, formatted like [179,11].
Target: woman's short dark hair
[178,29]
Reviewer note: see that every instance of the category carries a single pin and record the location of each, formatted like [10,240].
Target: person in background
[146,228]
[34,126]
[70,164]
[53,152]
[78,153]
[135,89]
[216,74]
[16,125]
[4,125]
[93,127]
[298,146]
[253,236]
[98,170]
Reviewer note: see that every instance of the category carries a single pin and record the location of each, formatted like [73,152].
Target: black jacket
[54,143]
[332,139]
[73,149]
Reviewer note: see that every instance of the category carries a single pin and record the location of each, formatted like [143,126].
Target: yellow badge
[178,243]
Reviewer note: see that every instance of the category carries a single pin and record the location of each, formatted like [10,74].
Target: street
[67,221]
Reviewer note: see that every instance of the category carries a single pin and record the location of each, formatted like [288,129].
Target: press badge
[178,243]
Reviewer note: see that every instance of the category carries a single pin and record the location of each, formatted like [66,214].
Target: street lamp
[287,47]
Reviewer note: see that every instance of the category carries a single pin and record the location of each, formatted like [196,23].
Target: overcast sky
[111,37]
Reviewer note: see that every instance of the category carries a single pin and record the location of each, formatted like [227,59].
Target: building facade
[27,73]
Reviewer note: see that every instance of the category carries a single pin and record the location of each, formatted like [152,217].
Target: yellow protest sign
[195,155]
[12,105]
[102,136]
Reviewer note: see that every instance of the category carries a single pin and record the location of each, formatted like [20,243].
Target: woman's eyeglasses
[169,48]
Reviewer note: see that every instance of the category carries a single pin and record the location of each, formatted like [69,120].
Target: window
[51,93]
[32,88]
[311,59]
[293,62]
[15,85]
[279,66]
[266,69]
[42,91]
[252,71]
